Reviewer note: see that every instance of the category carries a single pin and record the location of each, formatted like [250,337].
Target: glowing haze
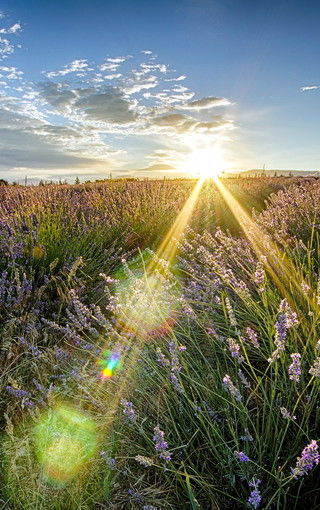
[89,89]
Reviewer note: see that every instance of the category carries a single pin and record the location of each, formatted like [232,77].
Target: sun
[205,162]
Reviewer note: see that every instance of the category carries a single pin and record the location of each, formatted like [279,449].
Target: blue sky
[182,77]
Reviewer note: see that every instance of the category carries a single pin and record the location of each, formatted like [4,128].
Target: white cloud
[206,103]
[11,30]
[116,60]
[108,67]
[6,48]
[72,67]
[138,85]
[11,73]
[113,76]
[180,78]
[310,87]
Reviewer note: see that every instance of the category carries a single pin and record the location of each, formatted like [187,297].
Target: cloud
[184,124]
[174,119]
[7,47]
[11,30]
[113,76]
[109,106]
[310,87]
[56,95]
[72,67]
[206,103]
[108,67]
[138,84]
[116,60]
[179,78]
[11,73]
[23,146]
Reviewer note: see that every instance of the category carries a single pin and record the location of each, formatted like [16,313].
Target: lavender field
[160,345]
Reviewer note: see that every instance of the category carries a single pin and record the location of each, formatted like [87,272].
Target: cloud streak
[309,87]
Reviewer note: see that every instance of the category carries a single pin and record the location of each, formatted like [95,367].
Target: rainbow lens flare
[65,440]
[111,362]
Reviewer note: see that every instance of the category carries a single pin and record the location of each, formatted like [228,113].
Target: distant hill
[258,172]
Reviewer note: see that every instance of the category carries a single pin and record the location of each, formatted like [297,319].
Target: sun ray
[283,272]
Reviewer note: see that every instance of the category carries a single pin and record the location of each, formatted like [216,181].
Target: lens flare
[146,304]
[111,362]
[65,440]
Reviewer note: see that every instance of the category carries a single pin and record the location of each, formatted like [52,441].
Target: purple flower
[253,337]
[259,276]
[144,461]
[128,411]
[17,393]
[111,462]
[161,358]
[295,367]
[255,497]
[241,456]
[160,444]
[285,413]
[234,349]
[291,316]
[310,458]
[135,496]
[286,319]
[230,387]
[315,369]
[243,379]
[305,287]
[231,315]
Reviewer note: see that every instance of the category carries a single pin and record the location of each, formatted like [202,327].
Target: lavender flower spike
[242,456]
[310,458]
[295,367]
[128,411]
[230,387]
[315,369]
[255,497]
[160,444]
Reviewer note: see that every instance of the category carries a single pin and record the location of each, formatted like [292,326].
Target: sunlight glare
[206,161]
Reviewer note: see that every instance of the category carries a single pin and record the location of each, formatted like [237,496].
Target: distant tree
[77,181]
[3,182]
[41,183]
[275,174]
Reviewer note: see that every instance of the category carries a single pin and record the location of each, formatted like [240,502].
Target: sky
[149,88]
